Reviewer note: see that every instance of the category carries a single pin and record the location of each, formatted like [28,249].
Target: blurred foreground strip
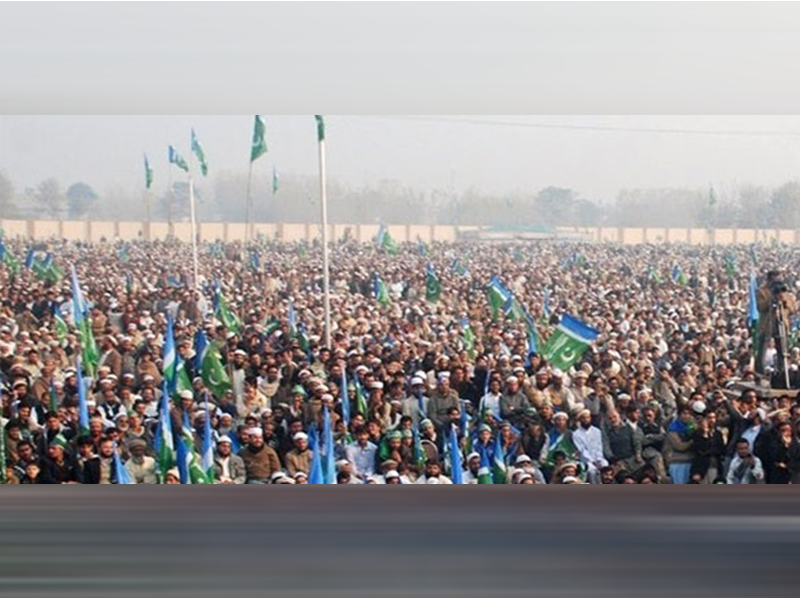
[378,541]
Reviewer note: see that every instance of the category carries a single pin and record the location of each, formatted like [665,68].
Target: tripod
[782,340]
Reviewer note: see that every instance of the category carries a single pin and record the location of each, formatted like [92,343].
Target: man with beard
[141,468]
[260,461]
[415,405]
[110,357]
[270,384]
[589,441]
[299,458]
[513,403]
[470,474]
[101,469]
[238,375]
[433,474]
[653,441]
[229,468]
[442,400]
[620,445]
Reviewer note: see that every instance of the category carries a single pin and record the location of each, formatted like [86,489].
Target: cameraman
[745,467]
[774,293]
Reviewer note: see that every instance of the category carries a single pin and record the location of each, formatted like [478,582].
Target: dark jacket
[51,472]
[621,444]
[91,471]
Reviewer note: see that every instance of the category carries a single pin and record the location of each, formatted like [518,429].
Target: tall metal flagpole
[323,201]
[194,234]
[147,221]
[247,226]
[169,201]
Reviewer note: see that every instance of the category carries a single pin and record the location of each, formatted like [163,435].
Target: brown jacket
[261,463]
[113,360]
[298,461]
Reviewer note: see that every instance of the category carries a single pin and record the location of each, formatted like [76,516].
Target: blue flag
[752,309]
[329,466]
[456,473]
[170,356]
[345,399]
[123,477]
[316,476]
[83,407]
[200,345]
[183,458]
[207,457]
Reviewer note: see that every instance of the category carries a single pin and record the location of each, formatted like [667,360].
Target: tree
[49,198]
[7,208]
[81,199]
[175,206]
[554,205]
[784,204]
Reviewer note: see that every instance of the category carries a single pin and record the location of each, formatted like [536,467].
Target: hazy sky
[107,150]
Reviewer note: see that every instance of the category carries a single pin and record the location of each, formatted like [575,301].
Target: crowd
[228,380]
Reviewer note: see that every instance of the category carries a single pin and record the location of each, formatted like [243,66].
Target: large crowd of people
[417,386]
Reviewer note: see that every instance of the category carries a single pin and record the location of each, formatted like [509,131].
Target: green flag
[224,314]
[361,400]
[91,355]
[198,152]
[469,338]
[54,273]
[53,407]
[433,287]
[485,469]
[275,181]
[381,292]
[566,345]
[565,445]
[420,456]
[60,327]
[386,242]
[320,128]
[196,473]
[259,145]
[730,266]
[176,159]
[514,310]
[499,467]
[183,382]
[148,173]
[11,262]
[498,295]
[213,373]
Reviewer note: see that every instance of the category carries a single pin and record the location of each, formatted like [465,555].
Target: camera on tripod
[777,287]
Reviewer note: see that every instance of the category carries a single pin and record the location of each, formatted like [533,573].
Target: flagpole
[249,202]
[169,201]
[147,214]
[323,200]
[194,234]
